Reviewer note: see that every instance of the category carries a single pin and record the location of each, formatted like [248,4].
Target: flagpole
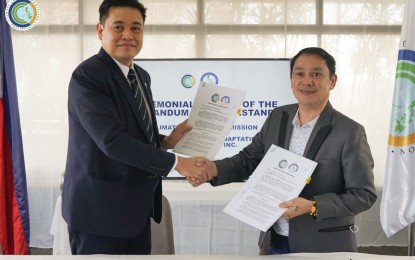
[411,240]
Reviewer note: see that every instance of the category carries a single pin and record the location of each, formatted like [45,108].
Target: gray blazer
[342,183]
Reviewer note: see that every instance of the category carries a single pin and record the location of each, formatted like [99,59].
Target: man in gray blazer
[321,219]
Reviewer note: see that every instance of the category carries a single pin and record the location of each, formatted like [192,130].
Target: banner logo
[22,15]
[188,81]
[402,128]
[209,77]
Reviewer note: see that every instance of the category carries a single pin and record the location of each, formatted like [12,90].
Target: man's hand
[169,142]
[201,163]
[198,169]
[296,207]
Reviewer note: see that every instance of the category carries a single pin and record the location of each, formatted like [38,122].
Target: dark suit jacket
[342,183]
[112,179]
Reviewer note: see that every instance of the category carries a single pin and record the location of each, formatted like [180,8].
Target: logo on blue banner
[402,129]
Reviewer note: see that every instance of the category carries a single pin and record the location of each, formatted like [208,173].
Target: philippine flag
[14,206]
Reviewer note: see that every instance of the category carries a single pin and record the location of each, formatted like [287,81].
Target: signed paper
[280,176]
[213,114]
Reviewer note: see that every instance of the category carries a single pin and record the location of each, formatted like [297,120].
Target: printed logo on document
[225,100]
[282,164]
[214,98]
[293,167]
[22,15]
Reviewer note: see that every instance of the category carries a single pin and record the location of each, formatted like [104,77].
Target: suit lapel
[126,89]
[319,133]
[288,116]
[283,129]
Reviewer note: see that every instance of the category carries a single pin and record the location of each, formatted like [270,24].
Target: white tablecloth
[201,228]
[318,256]
[59,230]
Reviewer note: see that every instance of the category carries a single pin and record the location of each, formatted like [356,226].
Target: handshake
[197,170]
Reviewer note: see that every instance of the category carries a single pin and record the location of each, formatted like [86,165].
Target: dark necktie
[143,112]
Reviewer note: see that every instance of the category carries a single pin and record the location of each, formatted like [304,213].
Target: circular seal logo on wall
[188,81]
[209,77]
[22,15]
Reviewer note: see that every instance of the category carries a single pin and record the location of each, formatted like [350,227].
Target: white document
[213,114]
[280,176]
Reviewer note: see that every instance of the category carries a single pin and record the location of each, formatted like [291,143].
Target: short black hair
[330,62]
[107,4]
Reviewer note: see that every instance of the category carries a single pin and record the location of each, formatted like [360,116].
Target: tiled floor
[385,250]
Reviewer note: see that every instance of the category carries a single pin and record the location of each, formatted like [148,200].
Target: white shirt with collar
[298,142]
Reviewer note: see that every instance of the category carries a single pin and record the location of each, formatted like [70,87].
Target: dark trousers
[83,243]
[279,244]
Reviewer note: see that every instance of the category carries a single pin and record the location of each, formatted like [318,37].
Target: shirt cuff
[174,165]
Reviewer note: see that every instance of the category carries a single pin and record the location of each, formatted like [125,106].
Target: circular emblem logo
[188,81]
[293,167]
[209,77]
[283,163]
[225,100]
[214,98]
[22,15]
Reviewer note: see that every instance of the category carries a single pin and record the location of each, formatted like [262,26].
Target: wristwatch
[314,210]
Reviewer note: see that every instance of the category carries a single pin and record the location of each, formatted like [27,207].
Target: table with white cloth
[201,227]
[296,256]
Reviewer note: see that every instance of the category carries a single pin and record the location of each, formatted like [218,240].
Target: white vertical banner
[398,201]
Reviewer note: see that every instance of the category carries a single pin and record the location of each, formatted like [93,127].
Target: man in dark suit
[321,219]
[116,157]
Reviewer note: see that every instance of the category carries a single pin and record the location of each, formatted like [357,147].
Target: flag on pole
[398,200]
[14,206]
